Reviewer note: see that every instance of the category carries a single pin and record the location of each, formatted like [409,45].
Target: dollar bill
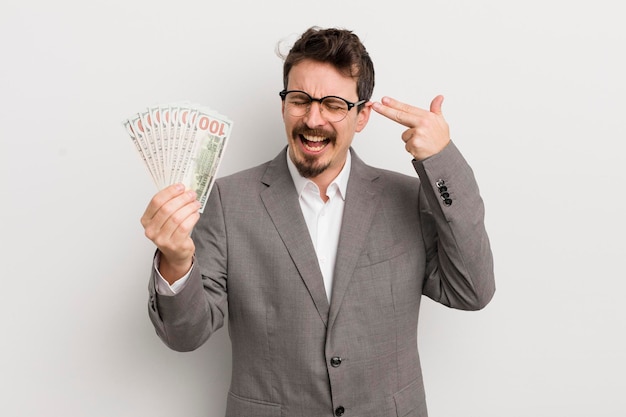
[180,142]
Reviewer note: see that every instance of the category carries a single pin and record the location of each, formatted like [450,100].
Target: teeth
[315,138]
[319,141]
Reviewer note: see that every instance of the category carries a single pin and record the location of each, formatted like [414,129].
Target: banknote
[180,142]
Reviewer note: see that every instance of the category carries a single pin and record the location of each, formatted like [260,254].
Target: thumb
[435,105]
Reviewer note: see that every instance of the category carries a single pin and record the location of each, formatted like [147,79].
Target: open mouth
[314,143]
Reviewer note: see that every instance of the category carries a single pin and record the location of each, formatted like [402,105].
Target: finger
[169,208]
[407,135]
[178,226]
[161,198]
[403,107]
[179,248]
[435,105]
[185,227]
[398,111]
[392,113]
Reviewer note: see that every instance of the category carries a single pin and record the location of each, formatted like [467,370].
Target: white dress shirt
[323,219]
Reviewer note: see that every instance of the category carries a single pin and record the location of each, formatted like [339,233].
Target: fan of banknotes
[181,142]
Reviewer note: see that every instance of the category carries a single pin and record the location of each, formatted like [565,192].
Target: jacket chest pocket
[376,256]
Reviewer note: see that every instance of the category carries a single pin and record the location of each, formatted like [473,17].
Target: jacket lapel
[362,197]
[282,205]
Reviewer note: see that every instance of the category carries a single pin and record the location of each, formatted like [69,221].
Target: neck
[324,179]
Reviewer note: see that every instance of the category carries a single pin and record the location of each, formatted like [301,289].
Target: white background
[535,96]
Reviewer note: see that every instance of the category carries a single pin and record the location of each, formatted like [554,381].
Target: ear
[363,117]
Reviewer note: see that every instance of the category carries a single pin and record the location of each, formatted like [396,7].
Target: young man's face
[316,146]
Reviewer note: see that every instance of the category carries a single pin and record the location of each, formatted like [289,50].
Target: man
[320,260]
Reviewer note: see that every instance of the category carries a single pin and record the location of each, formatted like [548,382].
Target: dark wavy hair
[339,47]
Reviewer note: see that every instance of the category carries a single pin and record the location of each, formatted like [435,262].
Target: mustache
[305,131]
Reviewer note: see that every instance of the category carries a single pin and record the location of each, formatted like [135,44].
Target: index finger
[398,111]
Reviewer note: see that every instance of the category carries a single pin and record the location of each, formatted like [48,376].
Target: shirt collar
[340,181]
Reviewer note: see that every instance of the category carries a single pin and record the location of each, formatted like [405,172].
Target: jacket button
[339,411]
[335,361]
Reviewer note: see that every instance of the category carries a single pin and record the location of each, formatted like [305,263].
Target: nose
[314,116]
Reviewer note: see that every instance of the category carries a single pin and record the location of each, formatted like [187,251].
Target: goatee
[309,167]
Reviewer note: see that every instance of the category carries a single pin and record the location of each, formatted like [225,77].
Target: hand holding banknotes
[168,221]
[181,145]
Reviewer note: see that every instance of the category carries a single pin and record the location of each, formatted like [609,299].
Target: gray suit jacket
[294,353]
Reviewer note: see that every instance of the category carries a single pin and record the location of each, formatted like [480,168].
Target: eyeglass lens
[332,108]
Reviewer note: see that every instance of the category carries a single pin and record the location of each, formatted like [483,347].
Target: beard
[310,166]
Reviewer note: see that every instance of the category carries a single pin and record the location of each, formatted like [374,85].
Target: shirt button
[335,361]
[339,411]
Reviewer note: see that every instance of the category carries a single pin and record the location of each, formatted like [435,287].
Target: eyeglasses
[332,108]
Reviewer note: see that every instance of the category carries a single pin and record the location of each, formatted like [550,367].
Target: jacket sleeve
[459,270]
[185,321]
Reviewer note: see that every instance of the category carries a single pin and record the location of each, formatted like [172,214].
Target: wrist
[172,270]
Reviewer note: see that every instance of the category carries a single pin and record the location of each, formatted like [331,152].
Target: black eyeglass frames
[333,108]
